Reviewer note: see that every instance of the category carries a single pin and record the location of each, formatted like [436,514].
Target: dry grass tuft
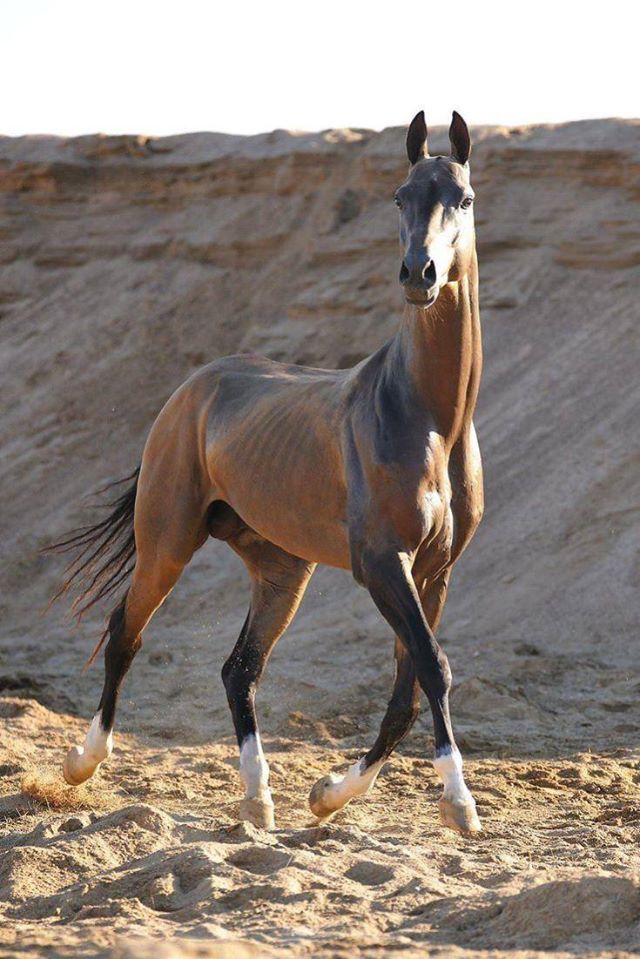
[47,788]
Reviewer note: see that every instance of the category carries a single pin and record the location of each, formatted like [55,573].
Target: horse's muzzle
[419,280]
[420,298]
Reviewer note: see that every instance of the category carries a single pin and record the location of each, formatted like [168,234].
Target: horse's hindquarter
[273,453]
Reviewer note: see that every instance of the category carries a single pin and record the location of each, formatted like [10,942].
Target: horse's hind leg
[147,592]
[279,581]
[164,547]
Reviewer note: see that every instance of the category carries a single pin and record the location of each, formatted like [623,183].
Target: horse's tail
[105,552]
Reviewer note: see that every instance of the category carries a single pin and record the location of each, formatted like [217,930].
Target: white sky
[245,66]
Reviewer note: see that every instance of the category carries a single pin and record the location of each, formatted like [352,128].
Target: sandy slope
[124,265]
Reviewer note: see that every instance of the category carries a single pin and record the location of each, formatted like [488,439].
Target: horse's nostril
[429,272]
[404,273]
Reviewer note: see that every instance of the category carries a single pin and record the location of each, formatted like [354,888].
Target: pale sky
[245,66]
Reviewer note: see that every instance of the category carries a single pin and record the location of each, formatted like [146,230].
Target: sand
[126,263]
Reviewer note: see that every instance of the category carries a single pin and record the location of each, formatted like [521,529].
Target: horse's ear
[459,139]
[417,138]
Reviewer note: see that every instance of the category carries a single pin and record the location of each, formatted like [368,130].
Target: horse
[374,469]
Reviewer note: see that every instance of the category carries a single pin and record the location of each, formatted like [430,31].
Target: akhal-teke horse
[374,469]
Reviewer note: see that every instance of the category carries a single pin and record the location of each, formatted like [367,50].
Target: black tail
[105,551]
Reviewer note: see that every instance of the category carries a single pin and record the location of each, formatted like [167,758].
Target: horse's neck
[439,352]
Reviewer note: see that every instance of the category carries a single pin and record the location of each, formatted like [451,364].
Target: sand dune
[126,263]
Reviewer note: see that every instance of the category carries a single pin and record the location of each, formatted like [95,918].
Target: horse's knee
[443,668]
[435,674]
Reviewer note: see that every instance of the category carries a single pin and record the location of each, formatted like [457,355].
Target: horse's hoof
[319,798]
[75,768]
[259,812]
[460,816]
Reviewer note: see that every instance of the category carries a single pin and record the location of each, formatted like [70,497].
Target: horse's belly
[327,543]
[295,501]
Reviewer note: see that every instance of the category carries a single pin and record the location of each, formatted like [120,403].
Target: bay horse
[374,469]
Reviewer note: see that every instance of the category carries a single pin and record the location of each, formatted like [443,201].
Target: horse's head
[436,213]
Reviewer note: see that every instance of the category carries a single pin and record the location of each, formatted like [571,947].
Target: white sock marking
[97,747]
[448,766]
[254,770]
[356,782]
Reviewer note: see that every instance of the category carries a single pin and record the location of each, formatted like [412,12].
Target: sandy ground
[157,851]
[124,265]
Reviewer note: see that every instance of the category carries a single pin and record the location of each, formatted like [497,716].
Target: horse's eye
[466,203]
[397,201]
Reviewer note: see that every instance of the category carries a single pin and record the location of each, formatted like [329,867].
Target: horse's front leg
[334,791]
[390,582]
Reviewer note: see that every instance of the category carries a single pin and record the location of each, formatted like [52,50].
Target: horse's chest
[422,497]
[435,548]
[444,512]
[438,516]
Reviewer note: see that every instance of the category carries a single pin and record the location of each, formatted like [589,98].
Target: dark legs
[279,582]
[118,656]
[332,792]
[402,710]
[404,704]
[394,592]
[151,584]
[165,542]
[413,610]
